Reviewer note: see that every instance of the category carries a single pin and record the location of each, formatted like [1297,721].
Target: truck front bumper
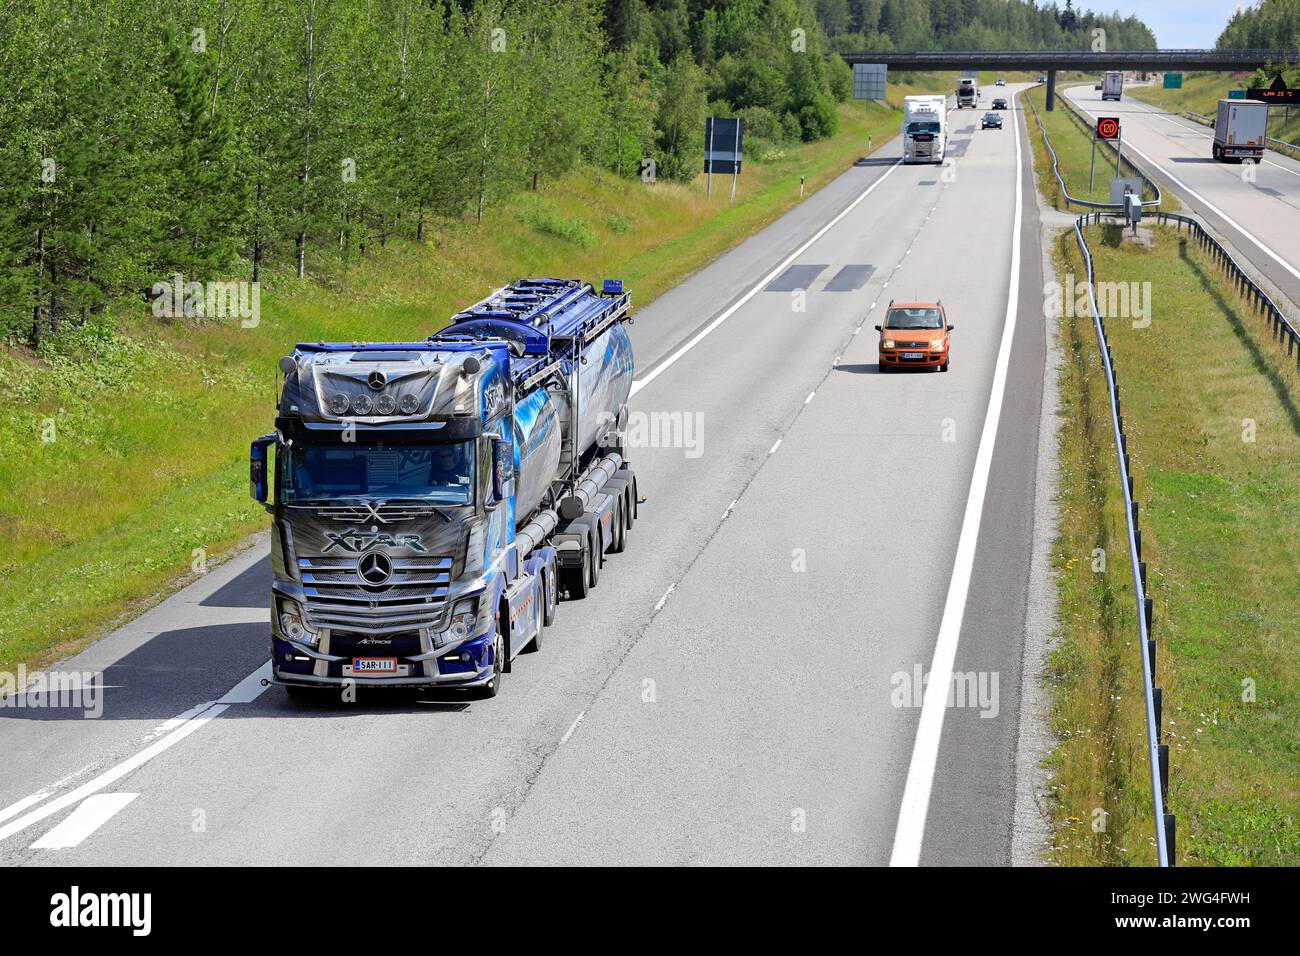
[469,664]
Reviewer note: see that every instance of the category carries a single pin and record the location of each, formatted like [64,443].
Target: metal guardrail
[1157,753]
[1088,203]
[1279,145]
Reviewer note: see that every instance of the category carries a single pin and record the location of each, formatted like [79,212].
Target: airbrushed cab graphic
[432,500]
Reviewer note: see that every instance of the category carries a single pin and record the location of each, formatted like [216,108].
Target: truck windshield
[913,319]
[922,128]
[437,473]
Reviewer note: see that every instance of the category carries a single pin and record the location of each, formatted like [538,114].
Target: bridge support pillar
[1051,90]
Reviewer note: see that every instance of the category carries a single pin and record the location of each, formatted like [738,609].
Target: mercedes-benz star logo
[376,380]
[374,568]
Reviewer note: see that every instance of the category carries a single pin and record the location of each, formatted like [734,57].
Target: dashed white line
[572,727]
[93,813]
[809,398]
[731,506]
[664,600]
[734,307]
[772,450]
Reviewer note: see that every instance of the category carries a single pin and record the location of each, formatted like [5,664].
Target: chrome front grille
[414,596]
[383,513]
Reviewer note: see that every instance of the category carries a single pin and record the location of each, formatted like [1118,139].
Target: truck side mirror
[503,469]
[257,476]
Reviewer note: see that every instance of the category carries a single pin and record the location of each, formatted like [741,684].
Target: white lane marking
[572,727]
[179,719]
[241,693]
[16,808]
[667,363]
[809,398]
[93,813]
[925,750]
[726,514]
[772,450]
[664,600]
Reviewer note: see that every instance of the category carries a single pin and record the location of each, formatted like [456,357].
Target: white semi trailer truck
[925,128]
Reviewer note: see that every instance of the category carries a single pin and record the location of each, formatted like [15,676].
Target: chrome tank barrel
[541,418]
[543,523]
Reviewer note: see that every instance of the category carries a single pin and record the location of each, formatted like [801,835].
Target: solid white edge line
[915,806]
[93,813]
[667,363]
[1212,207]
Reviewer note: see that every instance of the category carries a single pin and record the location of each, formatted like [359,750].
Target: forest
[1268,25]
[213,139]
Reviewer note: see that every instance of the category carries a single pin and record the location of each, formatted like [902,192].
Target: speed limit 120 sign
[1108,127]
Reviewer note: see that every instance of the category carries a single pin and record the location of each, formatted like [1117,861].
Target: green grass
[146,475]
[1201,93]
[1220,517]
[1073,145]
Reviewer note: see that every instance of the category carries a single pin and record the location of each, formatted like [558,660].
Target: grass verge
[123,452]
[1212,409]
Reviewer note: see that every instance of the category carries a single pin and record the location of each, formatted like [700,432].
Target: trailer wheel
[576,581]
[620,529]
[596,553]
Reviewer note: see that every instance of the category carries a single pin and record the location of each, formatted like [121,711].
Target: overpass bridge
[1049,61]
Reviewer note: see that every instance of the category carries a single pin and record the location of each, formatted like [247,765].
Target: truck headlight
[293,623]
[464,616]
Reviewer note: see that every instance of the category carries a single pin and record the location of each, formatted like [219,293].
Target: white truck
[968,93]
[925,128]
[1240,130]
[1111,85]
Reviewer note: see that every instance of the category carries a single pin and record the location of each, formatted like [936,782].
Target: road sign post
[708,163]
[1092,164]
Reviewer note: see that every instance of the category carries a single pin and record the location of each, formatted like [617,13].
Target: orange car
[914,334]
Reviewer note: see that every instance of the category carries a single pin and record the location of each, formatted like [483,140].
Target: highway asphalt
[743,684]
[1259,217]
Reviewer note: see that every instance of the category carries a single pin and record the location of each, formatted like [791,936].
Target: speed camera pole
[1119,151]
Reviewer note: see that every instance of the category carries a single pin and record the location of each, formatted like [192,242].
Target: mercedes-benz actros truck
[432,501]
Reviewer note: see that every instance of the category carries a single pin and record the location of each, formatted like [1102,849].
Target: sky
[1176,23]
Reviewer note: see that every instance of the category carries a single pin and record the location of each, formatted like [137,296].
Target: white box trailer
[1240,130]
[1112,84]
